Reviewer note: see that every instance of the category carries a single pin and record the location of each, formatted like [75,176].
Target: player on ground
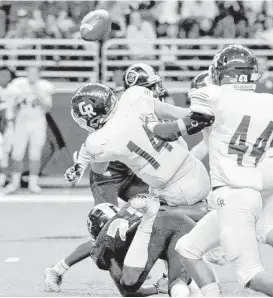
[30,127]
[238,140]
[113,238]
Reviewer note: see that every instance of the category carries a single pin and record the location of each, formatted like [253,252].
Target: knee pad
[185,248]
[262,232]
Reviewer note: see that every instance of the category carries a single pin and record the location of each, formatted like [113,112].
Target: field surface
[37,231]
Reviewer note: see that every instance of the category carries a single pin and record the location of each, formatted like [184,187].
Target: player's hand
[195,122]
[74,173]
[162,284]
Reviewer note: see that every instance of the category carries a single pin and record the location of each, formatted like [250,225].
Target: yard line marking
[46,199]
[12,260]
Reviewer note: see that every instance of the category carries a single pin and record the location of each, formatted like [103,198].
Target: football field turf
[37,231]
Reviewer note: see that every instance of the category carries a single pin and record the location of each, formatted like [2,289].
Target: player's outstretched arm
[171,131]
[201,150]
[166,111]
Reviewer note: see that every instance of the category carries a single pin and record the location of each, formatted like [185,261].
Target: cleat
[34,188]
[10,188]
[53,280]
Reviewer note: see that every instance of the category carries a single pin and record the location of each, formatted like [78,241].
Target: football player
[30,127]
[238,141]
[7,97]
[113,232]
[264,227]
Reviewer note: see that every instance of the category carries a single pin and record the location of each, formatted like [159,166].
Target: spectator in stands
[37,23]
[65,24]
[199,9]
[138,33]
[52,29]
[166,12]
[5,8]
[22,28]
[242,29]
[225,28]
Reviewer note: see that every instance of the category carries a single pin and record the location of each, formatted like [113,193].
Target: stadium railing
[68,62]
[65,60]
[176,60]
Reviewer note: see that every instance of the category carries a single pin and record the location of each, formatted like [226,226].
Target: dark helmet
[92,105]
[201,80]
[142,74]
[235,64]
[99,216]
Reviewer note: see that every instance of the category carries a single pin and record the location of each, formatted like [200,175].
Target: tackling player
[114,236]
[238,141]
[30,127]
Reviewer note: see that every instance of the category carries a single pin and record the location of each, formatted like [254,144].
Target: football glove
[195,122]
[75,172]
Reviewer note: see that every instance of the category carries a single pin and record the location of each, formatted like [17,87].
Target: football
[95,25]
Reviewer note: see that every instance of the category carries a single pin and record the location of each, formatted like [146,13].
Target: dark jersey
[115,238]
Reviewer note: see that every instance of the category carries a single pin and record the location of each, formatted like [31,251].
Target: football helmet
[142,74]
[237,65]
[99,216]
[92,105]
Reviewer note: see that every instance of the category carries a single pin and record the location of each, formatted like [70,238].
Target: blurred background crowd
[144,19]
[178,38]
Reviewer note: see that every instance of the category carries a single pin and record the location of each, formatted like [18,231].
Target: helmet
[142,74]
[99,216]
[201,80]
[237,65]
[92,105]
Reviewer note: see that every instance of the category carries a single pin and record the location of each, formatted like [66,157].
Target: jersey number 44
[237,144]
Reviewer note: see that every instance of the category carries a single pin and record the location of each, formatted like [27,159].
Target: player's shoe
[53,280]
[35,188]
[10,188]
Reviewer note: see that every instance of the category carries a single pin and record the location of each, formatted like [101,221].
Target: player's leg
[133,186]
[36,144]
[19,145]
[54,274]
[238,211]
[177,273]
[104,188]
[192,247]
[264,226]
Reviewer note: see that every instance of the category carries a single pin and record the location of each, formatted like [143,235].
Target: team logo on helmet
[131,77]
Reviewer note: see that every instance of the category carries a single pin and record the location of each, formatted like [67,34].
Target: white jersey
[30,110]
[240,135]
[8,97]
[126,139]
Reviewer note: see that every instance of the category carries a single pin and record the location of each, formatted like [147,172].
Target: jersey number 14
[157,145]
[240,148]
